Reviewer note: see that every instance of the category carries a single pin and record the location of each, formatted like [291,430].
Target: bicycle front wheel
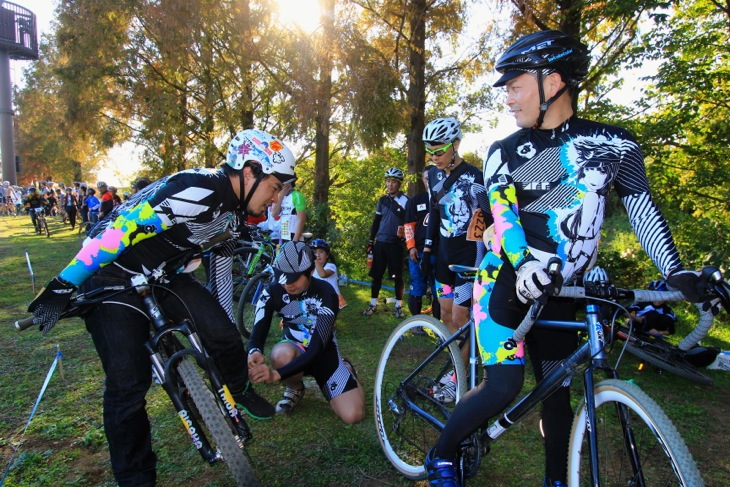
[667,357]
[637,443]
[246,310]
[44,227]
[409,404]
[221,435]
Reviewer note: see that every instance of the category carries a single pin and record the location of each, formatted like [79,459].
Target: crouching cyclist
[166,219]
[308,307]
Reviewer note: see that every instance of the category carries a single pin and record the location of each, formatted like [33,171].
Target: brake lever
[553,270]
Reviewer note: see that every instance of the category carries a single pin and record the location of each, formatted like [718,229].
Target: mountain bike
[251,258]
[246,308]
[632,441]
[41,224]
[182,366]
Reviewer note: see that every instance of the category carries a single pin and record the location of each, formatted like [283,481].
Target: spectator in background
[81,197]
[115,196]
[69,202]
[291,212]
[386,236]
[93,204]
[106,199]
[140,184]
[416,223]
[325,267]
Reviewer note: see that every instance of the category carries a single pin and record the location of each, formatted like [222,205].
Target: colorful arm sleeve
[140,223]
[502,194]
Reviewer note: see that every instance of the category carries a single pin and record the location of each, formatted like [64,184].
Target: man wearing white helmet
[455,187]
[164,220]
[386,241]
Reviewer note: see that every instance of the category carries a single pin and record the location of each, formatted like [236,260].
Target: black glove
[369,248]
[692,286]
[50,303]
[426,263]
[689,283]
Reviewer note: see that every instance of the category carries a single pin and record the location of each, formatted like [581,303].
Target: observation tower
[18,40]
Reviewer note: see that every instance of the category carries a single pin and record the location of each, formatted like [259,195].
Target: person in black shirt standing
[417,210]
[386,241]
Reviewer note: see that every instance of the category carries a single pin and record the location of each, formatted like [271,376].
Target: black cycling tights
[501,385]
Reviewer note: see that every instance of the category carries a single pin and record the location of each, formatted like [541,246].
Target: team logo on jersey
[526,150]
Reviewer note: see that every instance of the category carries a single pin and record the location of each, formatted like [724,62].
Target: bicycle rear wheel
[667,357]
[629,422]
[220,433]
[246,309]
[406,434]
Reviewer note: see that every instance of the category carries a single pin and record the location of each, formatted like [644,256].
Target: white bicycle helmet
[394,173]
[272,154]
[442,131]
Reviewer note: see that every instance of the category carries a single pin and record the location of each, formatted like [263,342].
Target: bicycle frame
[163,342]
[592,352]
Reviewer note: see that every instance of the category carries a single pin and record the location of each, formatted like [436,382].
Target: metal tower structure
[18,40]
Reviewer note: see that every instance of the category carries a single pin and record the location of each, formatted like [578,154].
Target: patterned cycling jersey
[561,179]
[162,221]
[453,207]
[308,319]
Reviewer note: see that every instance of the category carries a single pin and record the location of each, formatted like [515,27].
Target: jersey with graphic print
[561,179]
[308,321]
[158,223]
[451,213]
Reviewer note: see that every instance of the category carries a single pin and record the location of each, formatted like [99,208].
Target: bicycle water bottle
[369,264]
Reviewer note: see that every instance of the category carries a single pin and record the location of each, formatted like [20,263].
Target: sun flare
[303,14]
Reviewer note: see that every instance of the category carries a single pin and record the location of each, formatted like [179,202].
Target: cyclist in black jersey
[31,201]
[547,185]
[308,308]
[166,220]
[386,242]
[455,188]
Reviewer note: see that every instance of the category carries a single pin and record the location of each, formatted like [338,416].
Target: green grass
[65,445]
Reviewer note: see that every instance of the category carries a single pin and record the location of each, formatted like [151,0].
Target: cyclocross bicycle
[182,366]
[633,441]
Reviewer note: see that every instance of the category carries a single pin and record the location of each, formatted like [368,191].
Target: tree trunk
[416,95]
[322,119]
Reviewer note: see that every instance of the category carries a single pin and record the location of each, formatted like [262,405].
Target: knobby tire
[246,309]
[663,456]
[663,356]
[404,435]
[218,428]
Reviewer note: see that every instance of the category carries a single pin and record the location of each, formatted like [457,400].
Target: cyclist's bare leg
[281,354]
[350,405]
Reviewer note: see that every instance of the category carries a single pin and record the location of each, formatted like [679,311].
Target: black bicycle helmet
[545,50]
[294,259]
[543,53]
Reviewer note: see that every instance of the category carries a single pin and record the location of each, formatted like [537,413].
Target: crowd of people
[88,202]
[543,189]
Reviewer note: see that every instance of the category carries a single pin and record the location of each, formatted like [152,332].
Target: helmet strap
[246,198]
[544,105]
